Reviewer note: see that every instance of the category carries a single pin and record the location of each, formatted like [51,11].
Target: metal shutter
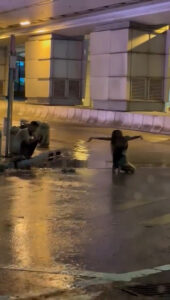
[138,88]
[59,88]
[155,89]
[1,87]
[74,89]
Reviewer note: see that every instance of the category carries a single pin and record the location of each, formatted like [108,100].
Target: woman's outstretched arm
[131,138]
[99,138]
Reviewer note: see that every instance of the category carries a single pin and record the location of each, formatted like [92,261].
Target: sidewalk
[153,122]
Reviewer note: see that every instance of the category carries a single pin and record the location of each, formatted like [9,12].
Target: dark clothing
[28,149]
[116,155]
[120,143]
[119,147]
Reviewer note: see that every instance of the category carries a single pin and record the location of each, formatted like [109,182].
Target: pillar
[109,69]
[167,72]
[54,70]
[3,71]
[38,69]
[86,74]
[127,69]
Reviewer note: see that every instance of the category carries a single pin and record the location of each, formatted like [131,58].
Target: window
[66,88]
[74,89]
[138,88]
[1,87]
[155,89]
[146,89]
[59,88]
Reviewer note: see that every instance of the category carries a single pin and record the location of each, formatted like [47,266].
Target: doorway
[19,86]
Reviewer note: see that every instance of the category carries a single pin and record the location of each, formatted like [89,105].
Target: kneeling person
[25,142]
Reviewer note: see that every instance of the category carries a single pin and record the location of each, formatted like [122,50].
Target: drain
[150,289]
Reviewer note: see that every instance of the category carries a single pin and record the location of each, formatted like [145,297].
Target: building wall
[86,74]
[66,71]
[127,69]
[167,71]
[109,68]
[3,71]
[146,65]
[38,64]
[53,70]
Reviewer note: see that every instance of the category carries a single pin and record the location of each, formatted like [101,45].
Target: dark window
[74,89]
[155,89]
[59,88]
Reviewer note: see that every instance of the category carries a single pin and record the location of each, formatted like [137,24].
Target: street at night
[84,149]
[78,229]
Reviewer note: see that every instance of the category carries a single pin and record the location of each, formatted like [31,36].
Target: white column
[109,69]
[127,69]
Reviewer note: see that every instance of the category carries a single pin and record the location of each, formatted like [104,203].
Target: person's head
[23,124]
[116,134]
[32,127]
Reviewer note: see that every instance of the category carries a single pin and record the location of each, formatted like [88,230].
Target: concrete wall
[86,74]
[66,59]
[146,62]
[127,69]
[4,71]
[167,71]
[154,123]
[66,64]
[109,67]
[147,54]
[47,59]
[38,64]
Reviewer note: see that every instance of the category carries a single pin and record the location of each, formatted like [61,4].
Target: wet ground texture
[88,234]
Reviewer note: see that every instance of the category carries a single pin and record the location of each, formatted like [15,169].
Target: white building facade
[90,60]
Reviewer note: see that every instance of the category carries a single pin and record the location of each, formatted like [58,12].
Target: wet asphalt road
[90,220]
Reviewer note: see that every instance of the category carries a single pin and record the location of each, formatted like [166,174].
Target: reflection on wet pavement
[34,210]
[86,220]
[80,151]
[82,220]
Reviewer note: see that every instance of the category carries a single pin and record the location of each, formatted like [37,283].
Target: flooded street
[55,226]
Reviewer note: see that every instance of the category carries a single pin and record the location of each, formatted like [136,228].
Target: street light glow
[2,37]
[41,31]
[25,23]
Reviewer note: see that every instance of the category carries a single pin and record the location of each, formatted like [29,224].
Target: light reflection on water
[43,215]
[80,151]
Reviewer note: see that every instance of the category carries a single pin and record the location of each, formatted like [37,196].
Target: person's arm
[131,138]
[99,138]
[26,138]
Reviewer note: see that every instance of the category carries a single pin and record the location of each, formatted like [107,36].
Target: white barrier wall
[153,123]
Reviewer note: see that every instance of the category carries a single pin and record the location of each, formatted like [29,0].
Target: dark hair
[116,134]
[34,123]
